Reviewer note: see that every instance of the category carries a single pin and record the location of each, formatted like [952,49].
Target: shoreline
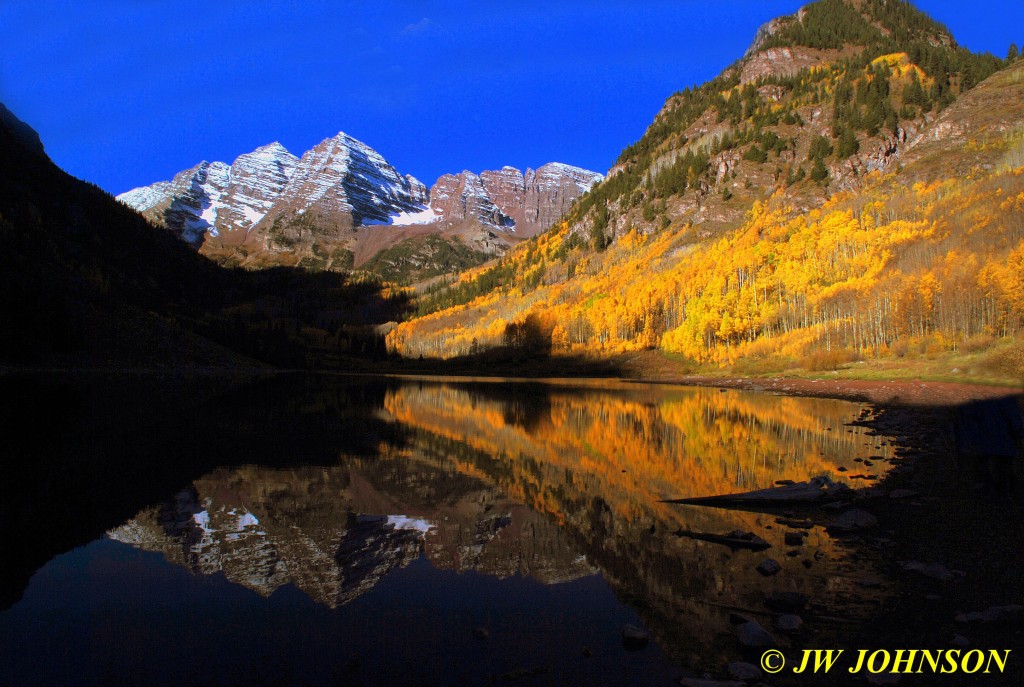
[898,392]
[887,393]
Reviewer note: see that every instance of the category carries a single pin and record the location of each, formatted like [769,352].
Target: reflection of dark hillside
[85,455]
[524,404]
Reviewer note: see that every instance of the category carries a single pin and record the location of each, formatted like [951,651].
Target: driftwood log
[817,490]
[734,540]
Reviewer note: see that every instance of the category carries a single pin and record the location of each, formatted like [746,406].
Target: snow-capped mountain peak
[214,197]
[271,200]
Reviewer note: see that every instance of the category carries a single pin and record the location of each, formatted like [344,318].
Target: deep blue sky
[128,93]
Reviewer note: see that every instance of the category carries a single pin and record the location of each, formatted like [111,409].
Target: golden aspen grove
[917,251]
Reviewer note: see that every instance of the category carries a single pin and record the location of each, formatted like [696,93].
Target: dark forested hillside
[88,281]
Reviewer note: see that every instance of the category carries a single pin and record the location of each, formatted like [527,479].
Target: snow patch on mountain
[404,522]
[405,219]
[553,173]
[344,175]
[257,180]
[214,197]
[146,197]
[342,183]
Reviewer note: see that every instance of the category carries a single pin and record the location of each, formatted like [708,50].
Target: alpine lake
[349,530]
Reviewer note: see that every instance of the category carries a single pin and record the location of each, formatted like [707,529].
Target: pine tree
[819,172]
[820,148]
[913,94]
[597,236]
[847,145]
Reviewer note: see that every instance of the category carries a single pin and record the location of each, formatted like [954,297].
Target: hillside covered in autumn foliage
[852,189]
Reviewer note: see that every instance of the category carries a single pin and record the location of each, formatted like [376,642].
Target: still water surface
[403,531]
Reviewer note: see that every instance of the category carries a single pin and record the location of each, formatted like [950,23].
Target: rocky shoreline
[956,525]
[943,530]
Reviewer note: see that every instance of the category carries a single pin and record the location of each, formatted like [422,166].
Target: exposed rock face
[551,190]
[507,187]
[270,207]
[213,198]
[507,199]
[783,61]
[257,180]
[145,198]
[759,61]
[187,204]
[340,184]
[767,30]
[456,198]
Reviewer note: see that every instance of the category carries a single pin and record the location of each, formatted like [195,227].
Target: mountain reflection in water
[512,480]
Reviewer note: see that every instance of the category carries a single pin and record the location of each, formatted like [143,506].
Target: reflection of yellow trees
[634,449]
[599,462]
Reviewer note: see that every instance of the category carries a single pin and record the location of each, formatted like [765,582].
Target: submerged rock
[936,571]
[789,623]
[769,567]
[737,539]
[744,671]
[786,601]
[795,538]
[991,614]
[751,634]
[853,519]
[633,637]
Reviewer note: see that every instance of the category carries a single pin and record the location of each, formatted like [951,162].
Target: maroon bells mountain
[343,206]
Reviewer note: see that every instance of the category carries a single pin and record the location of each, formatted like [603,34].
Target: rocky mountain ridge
[323,210]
